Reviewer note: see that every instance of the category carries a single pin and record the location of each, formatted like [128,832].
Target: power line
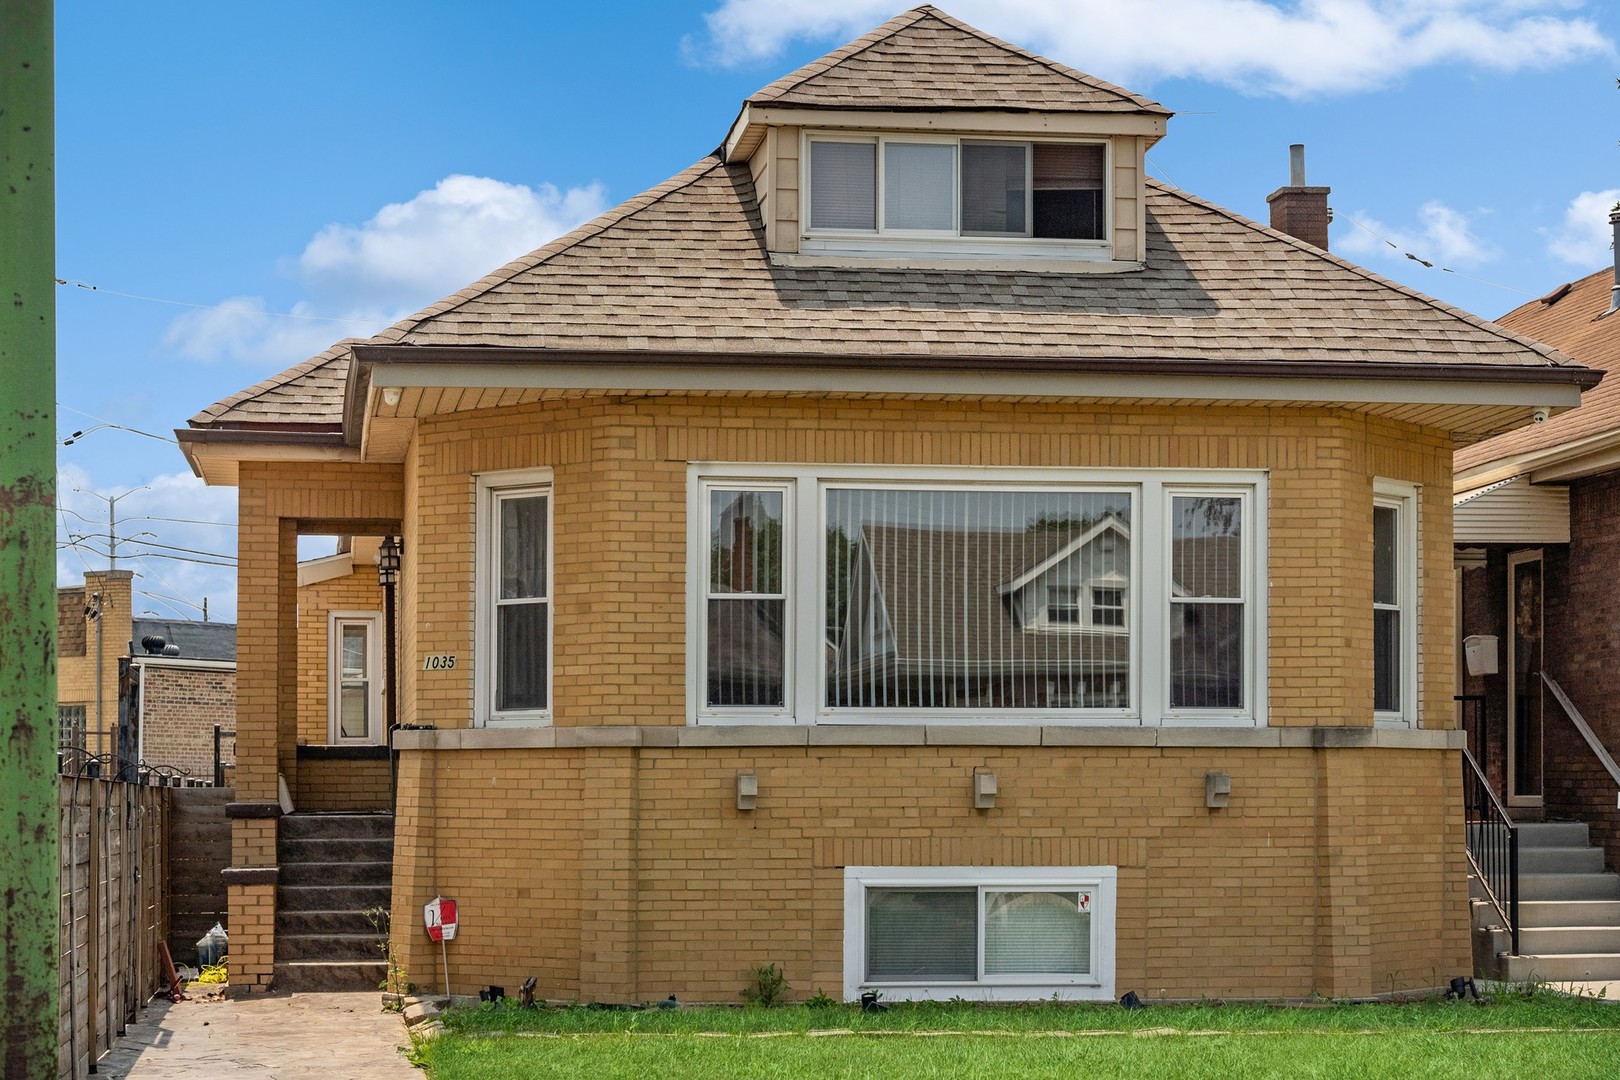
[351,319]
[1428,264]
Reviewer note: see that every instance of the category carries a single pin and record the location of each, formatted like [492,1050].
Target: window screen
[522,651]
[843,185]
[1206,603]
[1036,933]
[919,186]
[995,188]
[1068,191]
[747,605]
[1386,609]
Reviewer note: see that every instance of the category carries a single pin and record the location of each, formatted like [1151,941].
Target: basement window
[986,933]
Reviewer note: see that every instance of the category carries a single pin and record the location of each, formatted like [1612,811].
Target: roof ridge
[331,354]
[822,64]
[1554,357]
[576,236]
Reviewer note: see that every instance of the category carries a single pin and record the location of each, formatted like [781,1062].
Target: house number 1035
[439,662]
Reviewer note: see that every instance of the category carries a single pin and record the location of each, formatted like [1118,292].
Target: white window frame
[335,622]
[884,242]
[790,573]
[1100,881]
[1146,594]
[1402,497]
[491,489]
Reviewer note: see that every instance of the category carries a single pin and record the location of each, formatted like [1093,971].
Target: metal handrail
[1583,727]
[1493,845]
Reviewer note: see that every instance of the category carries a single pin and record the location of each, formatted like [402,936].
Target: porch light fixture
[1217,790]
[388,562]
[747,790]
[984,791]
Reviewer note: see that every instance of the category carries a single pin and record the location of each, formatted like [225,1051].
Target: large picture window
[829,595]
[1001,933]
[514,599]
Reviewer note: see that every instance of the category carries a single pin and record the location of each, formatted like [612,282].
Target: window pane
[1385,554]
[745,652]
[843,185]
[919,186]
[1387,660]
[745,542]
[1036,933]
[1068,183]
[941,598]
[352,708]
[995,188]
[1206,656]
[523,547]
[354,651]
[1208,546]
[921,935]
[521,655]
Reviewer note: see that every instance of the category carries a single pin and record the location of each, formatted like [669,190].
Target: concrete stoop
[1569,912]
[335,868]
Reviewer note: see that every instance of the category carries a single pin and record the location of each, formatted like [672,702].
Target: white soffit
[1512,511]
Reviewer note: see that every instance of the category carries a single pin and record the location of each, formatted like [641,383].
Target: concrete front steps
[336,872]
[1569,911]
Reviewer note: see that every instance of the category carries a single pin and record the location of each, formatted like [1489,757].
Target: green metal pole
[29,905]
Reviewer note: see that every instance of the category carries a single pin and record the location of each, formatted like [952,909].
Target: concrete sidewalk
[285,1036]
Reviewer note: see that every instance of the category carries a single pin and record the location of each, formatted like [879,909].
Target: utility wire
[351,319]
[1429,264]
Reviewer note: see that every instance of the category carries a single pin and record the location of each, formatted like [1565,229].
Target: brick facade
[181,706]
[606,869]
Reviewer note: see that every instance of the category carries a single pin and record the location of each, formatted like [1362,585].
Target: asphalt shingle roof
[924,59]
[1571,320]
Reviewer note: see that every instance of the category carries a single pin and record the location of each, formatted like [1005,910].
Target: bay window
[836,595]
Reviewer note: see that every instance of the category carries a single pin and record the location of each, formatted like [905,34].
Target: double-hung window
[1394,573]
[839,594]
[989,933]
[513,590]
[944,186]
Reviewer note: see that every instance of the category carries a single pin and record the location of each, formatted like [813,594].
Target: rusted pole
[28,837]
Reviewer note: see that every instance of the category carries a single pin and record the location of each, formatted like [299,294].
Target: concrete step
[1569,887]
[1560,860]
[361,948]
[337,873]
[336,826]
[1563,940]
[316,975]
[1575,967]
[331,897]
[1538,913]
[336,849]
[1553,834]
[328,922]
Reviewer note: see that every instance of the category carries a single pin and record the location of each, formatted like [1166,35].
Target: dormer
[927,144]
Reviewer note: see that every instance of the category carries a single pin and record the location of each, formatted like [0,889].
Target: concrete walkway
[284,1036]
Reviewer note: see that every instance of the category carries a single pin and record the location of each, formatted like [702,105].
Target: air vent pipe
[1614,292]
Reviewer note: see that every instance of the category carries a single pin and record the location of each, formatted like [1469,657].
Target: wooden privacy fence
[114,872]
[199,848]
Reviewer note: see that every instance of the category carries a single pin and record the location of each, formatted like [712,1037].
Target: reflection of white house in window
[959,616]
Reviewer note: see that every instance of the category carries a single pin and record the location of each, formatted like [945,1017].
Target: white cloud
[169,530]
[1441,236]
[1585,237]
[1295,50]
[360,278]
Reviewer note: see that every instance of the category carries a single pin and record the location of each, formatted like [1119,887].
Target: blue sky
[240,185]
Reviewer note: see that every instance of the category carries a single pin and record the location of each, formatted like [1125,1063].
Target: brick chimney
[1301,212]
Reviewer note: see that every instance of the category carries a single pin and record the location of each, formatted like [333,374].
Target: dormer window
[916,186]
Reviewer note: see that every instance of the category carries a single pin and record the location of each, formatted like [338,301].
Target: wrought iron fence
[1493,845]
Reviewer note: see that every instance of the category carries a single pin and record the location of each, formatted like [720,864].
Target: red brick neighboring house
[1535,516]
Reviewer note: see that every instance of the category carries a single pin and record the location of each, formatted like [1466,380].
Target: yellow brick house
[909,546]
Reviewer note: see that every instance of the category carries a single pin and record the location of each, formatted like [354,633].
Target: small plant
[396,982]
[820,1000]
[768,986]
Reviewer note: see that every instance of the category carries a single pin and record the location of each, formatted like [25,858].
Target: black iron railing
[1493,845]
[1476,726]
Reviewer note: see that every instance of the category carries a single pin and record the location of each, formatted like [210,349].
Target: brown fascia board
[280,435]
[368,355]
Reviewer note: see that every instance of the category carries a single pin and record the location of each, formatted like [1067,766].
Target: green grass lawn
[1541,1037]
